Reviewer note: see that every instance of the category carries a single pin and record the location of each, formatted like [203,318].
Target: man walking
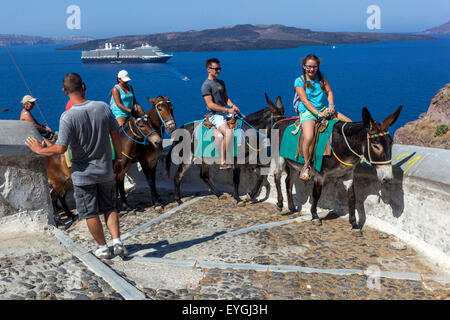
[86,128]
[217,100]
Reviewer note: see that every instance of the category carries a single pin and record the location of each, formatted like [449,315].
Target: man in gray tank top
[86,128]
[215,94]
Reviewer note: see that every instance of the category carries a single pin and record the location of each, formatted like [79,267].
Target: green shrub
[441,130]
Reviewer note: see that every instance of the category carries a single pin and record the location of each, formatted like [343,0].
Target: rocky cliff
[432,129]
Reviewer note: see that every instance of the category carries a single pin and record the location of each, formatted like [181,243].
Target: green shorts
[308,115]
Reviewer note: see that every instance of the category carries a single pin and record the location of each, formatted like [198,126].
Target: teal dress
[127,101]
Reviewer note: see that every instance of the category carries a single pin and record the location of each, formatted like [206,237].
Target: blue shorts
[117,112]
[219,118]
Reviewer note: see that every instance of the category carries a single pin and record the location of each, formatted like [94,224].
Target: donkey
[262,119]
[352,143]
[59,177]
[159,118]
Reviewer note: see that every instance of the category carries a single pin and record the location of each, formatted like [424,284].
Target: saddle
[319,127]
[232,123]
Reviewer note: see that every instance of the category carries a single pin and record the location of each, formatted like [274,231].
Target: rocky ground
[199,233]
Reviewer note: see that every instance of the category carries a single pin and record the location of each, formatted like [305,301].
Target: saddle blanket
[204,144]
[289,143]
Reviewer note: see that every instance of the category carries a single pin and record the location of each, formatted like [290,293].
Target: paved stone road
[169,258]
[197,232]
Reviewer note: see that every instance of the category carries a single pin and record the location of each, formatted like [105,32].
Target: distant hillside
[18,39]
[243,37]
[442,29]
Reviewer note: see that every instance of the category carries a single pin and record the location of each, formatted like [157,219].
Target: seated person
[217,100]
[28,105]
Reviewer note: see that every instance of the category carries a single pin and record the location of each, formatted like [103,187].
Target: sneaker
[103,254]
[120,250]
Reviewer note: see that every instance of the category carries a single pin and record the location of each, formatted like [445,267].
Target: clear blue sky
[106,18]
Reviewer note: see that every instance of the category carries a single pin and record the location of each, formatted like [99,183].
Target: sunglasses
[311,67]
[217,69]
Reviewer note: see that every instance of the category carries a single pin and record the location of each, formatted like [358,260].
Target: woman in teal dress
[123,98]
[311,88]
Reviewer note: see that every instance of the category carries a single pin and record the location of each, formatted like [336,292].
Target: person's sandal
[304,175]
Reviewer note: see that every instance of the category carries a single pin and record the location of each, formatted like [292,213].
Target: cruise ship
[118,54]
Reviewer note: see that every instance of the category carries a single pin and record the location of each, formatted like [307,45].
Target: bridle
[361,157]
[159,114]
[143,135]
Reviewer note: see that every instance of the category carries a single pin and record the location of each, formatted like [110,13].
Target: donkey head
[378,149]
[162,113]
[143,128]
[276,110]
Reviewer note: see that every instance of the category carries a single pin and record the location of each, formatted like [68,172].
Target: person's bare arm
[26,116]
[212,106]
[330,97]
[231,104]
[49,150]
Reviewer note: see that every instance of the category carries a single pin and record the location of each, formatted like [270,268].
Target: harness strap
[131,158]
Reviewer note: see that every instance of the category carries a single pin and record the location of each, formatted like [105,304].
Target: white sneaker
[103,254]
[120,250]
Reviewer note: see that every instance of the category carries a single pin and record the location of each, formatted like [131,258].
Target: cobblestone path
[205,251]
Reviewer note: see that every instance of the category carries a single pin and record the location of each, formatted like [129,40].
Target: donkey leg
[63,202]
[351,209]
[156,199]
[290,179]
[252,195]
[182,168]
[317,191]
[120,186]
[277,179]
[236,181]
[204,175]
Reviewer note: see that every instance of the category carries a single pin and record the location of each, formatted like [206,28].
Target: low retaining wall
[415,206]
[24,191]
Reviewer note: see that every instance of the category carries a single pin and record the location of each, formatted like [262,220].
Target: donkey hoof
[158,206]
[179,202]
[280,207]
[316,222]
[241,203]
[248,198]
[357,232]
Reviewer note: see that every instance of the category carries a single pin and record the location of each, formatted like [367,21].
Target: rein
[361,157]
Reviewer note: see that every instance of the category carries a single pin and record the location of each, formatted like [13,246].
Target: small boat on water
[185,79]
[118,54]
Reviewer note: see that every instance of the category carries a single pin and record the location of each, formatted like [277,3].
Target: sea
[380,76]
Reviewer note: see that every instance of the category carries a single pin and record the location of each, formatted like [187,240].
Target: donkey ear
[367,119]
[389,121]
[280,104]
[270,104]
[151,100]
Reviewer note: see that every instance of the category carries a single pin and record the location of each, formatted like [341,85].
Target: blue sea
[380,75]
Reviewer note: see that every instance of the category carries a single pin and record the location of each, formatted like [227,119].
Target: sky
[108,18]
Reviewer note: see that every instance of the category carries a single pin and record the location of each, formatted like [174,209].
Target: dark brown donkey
[352,143]
[260,120]
[160,118]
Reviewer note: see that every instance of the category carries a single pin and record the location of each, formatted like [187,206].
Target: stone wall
[415,206]
[24,190]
